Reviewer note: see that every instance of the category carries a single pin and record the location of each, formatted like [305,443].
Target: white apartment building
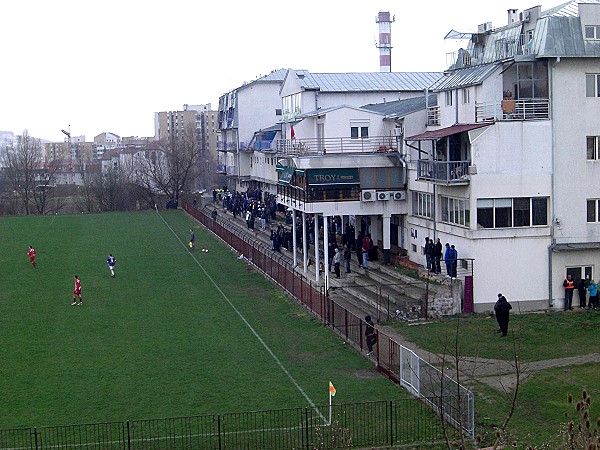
[507,168]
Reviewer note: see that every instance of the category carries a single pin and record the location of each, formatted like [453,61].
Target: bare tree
[22,165]
[44,190]
[170,168]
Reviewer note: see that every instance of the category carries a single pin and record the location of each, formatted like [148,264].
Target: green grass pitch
[175,333]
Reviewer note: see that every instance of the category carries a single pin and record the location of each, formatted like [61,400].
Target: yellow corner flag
[331,389]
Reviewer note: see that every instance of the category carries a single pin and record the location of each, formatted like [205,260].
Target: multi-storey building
[506,170]
[203,120]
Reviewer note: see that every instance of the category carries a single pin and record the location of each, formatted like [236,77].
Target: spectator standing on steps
[428,250]
[337,259]
[437,256]
[347,257]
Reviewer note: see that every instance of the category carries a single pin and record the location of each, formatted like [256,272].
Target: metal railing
[525,109]
[443,171]
[315,146]
[356,425]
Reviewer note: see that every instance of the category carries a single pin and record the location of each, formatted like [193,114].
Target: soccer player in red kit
[31,252]
[77,292]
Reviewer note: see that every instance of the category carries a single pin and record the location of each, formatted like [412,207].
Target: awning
[448,131]
[576,246]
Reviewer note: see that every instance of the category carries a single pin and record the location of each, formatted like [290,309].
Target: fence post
[128,436]
[306,428]
[219,429]
[391,423]
[35,437]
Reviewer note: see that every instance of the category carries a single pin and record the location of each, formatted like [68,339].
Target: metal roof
[561,35]
[366,81]
[448,131]
[468,76]
[319,112]
[341,160]
[401,108]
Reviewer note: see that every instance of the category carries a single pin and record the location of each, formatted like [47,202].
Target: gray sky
[109,65]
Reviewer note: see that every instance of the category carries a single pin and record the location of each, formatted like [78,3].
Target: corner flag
[331,389]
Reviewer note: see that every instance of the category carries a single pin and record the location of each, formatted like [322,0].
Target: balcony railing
[314,146]
[261,145]
[525,109]
[226,146]
[443,171]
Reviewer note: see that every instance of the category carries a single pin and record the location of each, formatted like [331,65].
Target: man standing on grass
[111,261]
[31,252]
[192,239]
[77,292]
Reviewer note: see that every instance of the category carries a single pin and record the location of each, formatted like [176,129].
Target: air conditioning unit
[368,195]
[383,196]
[399,195]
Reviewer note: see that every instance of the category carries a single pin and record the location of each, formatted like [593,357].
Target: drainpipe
[552,188]
[456,107]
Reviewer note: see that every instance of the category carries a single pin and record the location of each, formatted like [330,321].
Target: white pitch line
[254,332]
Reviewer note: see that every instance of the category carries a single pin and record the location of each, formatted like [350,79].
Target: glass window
[539,207]
[592,210]
[485,213]
[364,132]
[591,84]
[592,147]
[503,213]
[354,132]
[521,211]
[455,211]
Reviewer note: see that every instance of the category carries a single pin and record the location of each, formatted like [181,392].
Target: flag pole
[329,424]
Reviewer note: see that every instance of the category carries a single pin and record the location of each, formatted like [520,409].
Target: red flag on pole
[331,389]
[292,132]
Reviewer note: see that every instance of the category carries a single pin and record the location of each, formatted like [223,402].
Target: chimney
[513,16]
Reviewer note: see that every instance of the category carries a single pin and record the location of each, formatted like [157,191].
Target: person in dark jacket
[370,335]
[582,288]
[437,256]
[502,309]
[347,257]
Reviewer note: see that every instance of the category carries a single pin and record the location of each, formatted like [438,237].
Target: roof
[468,76]
[561,35]
[275,76]
[448,131]
[401,108]
[366,81]
[349,160]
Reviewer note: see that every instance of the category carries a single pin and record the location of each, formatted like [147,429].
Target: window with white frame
[466,96]
[359,131]
[455,211]
[592,84]
[448,95]
[593,210]
[291,106]
[593,147]
[592,31]
[512,212]
[422,204]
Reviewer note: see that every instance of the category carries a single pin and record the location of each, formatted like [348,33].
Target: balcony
[444,172]
[264,145]
[525,109]
[226,146]
[346,145]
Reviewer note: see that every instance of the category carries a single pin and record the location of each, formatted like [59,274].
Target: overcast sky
[109,65]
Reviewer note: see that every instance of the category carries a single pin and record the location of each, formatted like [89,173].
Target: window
[592,85]
[592,210]
[593,143]
[359,132]
[592,31]
[512,212]
[455,211]
[466,96]
[448,98]
[422,204]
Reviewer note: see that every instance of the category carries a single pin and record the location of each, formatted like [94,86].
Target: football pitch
[175,333]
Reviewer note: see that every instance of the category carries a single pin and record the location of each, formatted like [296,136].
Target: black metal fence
[357,425]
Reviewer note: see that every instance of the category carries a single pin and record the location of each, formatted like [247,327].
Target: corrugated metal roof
[318,112]
[468,76]
[448,131]
[561,35]
[366,81]
[401,108]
